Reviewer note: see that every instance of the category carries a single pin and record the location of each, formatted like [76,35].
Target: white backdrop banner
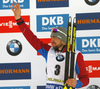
[21,67]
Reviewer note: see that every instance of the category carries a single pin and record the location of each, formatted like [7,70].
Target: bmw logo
[60,58]
[93,87]
[14,47]
[91,2]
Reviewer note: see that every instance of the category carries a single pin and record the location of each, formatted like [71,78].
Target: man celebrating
[54,55]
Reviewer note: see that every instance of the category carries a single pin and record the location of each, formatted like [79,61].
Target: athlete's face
[57,43]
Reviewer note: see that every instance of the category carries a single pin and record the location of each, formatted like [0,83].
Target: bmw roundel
[93,87]
[14,47]
[91,2]
[60,58]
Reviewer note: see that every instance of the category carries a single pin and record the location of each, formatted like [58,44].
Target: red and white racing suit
[55,68]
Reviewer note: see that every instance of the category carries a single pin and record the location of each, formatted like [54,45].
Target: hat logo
[59,36]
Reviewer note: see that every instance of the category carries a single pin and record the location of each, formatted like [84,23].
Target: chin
[55,47]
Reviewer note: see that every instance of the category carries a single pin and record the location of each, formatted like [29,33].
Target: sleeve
[81,71]
[32,39]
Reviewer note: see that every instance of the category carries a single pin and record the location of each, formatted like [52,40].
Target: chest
[56,64]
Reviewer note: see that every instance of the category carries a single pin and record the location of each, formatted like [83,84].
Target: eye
[53,36]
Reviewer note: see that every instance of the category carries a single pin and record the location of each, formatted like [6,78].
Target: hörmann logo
[50,0]
[88,45]
[88,21]
[5,4]
[47,22]
[93,68]
[51,3]
[91,2]
[8,24]
[15,71]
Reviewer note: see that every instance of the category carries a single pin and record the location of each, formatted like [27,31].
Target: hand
[16,10]
[71,82]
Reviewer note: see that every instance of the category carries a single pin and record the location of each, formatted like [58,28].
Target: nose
[52,39]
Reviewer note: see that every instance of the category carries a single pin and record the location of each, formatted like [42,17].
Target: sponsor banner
[21,87]
[88,21]
[10,71]
[8,24]
[52,3]
[54,86]
[47,22]
[46,41]
[40,87]
[88,45]
[93,68]
[5,4]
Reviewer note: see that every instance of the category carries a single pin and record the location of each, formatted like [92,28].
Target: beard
[57,47]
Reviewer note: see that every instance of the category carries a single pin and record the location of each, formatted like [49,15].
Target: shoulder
[79,56]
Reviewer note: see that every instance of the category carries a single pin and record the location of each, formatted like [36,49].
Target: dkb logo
[6,4]
[47,22]
[12,1]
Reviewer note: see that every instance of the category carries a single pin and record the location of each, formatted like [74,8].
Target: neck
[61,48]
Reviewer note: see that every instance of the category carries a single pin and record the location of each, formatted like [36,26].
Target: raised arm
[28,34]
